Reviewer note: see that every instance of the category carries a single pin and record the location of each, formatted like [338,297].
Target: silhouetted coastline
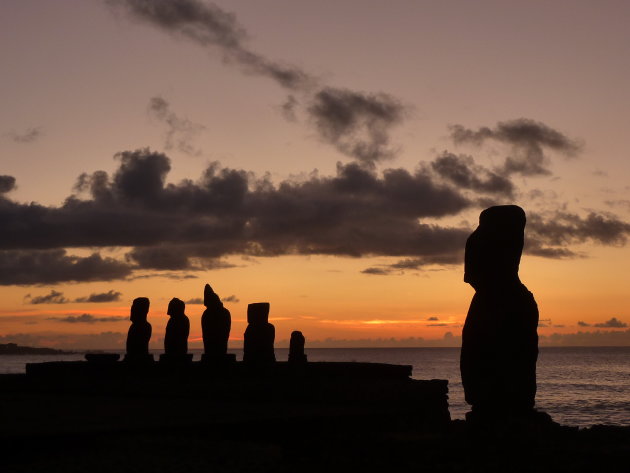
[15,349]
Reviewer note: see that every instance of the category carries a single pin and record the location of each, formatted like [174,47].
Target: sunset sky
[327,157]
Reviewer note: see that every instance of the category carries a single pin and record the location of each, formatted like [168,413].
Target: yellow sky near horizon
[328,297]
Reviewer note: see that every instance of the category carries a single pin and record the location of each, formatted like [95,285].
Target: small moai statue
[139,332]
[259,335]
[215,326]
[296,348]
[177,330]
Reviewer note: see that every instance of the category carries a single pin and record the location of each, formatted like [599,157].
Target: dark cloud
[465,174]
[357,212]
[30,135]
[377,271]
[55,297]
[86,319]
[26,267]
[549,235]
[357,124]
[109,296]
[160,258]
[193,225]
[433,319]
[231,298]
[195,300]
[612,323]
[180,131]
[177,257]
[7,184]
[176,276]
[450,256]
[453,254]
[528,140]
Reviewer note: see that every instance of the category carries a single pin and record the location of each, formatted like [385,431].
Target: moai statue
[259,335]
[177,330]
[139,332]
[500,339]
[215,326]
[296,348]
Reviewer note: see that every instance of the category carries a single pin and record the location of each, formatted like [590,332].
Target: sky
[330,158]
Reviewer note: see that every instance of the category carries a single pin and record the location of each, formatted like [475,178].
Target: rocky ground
[171,425]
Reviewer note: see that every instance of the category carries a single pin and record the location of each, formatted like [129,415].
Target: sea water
[580,386]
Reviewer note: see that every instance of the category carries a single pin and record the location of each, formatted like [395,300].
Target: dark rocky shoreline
[273,421]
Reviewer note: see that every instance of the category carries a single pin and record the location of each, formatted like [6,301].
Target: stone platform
[110,396]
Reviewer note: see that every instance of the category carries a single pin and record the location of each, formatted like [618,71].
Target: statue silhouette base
[225,359]
[179,359]
[139,359]
[528,420]
[298,359]
[102,358]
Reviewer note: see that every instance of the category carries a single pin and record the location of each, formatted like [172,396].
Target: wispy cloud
[356,123]
[86,319]
[611,323]
[195,301]
[528,141]
[54,297]
[30,135]
[109,296]
[180,132]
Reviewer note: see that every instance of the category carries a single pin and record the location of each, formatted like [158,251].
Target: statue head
[493,250]
[258,313]
[297,339]
[176,307]
[139,309]
[211,298]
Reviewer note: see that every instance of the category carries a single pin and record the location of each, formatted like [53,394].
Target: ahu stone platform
[114,395]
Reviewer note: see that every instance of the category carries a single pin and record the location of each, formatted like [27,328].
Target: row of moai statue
[216,323]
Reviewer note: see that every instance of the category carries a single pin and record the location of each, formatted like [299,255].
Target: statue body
[177,329]
[500,339]
[140,330]
[296,347]
[259,335]
[216,323]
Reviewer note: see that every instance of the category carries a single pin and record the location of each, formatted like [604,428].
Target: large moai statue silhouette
[177,330]
[259,335]
[500,339]
[296,348]
[215,326]
[139,332]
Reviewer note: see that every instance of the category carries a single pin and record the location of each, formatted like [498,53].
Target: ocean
[580,386]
